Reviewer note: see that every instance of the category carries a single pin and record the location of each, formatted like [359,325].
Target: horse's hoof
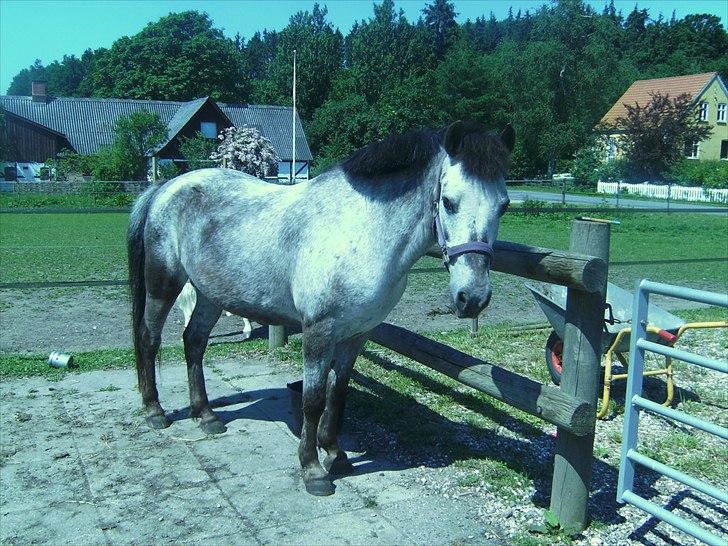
[213,427]
[158,421]
[338,465]
[319,487]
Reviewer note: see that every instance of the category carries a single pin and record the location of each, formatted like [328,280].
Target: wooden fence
[572,406]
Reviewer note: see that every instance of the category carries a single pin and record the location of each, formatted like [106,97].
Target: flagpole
[293,160]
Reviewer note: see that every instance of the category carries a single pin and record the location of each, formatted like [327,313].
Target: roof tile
[639,92]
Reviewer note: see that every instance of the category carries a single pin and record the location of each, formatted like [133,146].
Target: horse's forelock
[484,155]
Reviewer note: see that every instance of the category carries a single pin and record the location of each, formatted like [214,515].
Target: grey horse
[331,254]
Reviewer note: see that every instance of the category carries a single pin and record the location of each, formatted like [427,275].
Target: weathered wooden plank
[580,378]
[575,270]
[545,401]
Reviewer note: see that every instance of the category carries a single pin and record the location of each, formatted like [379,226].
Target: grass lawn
[75,247]
[62,247]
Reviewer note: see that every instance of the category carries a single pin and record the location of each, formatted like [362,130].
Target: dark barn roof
[88,123]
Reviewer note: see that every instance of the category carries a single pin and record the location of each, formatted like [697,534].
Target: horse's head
[470,200]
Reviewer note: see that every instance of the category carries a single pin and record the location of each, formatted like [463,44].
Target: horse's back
[224,231]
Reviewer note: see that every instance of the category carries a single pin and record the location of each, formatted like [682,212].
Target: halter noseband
[450,252]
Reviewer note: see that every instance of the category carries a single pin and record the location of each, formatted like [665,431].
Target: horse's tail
[137,284]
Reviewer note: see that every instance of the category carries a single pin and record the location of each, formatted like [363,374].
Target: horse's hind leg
[317,354]
[345,354]
[196,335]
[155,313]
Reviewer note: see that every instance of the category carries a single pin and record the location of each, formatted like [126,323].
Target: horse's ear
[453,138]
[508,136]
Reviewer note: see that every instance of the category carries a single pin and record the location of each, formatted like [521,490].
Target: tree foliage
[656,135]
[553,72]
[246,149]
[197,151]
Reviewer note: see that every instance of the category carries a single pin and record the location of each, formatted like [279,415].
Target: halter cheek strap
[450,252]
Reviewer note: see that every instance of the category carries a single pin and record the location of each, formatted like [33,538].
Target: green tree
[197,151]
[180,57]
[319,50]
[386,49]
[656,135]
[135,137]
[67,78]
[22,81]
[440,21]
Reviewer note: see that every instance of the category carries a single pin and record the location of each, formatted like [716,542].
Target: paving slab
[79,465]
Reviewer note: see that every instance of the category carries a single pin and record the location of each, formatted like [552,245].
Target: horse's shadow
[418,436]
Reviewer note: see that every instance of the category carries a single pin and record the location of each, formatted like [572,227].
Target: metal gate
[634,403]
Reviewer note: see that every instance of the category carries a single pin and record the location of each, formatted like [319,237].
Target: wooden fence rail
[545,401]
[571,269]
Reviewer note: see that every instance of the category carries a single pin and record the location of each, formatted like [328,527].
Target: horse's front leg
[318,351]
[345,354]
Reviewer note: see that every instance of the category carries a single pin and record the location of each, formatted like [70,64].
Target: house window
[692,150]
[611,149]
[703,111]
[208,129]
[721,112]
[724,149]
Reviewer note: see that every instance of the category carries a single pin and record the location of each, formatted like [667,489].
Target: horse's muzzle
[470,304]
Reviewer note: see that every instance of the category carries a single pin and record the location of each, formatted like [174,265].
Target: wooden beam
[544,401]
[580,271]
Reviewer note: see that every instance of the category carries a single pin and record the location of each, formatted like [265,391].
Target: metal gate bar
[635,403]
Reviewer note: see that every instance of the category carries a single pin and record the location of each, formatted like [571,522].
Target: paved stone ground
[78,465]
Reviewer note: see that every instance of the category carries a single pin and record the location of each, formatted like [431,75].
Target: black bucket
[295,392]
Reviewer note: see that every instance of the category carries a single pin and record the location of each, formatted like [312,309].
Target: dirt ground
[81,319]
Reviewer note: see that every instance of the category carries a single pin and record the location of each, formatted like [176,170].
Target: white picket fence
[665,191]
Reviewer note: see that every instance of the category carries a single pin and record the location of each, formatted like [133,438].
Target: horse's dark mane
[412,151]
[483,154]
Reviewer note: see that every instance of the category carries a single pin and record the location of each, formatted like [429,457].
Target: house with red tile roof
[707,91]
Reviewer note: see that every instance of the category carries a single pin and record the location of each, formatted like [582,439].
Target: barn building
[39,126]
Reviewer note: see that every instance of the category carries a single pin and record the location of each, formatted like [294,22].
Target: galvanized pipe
[686,419]
[685,356]
[680,292]
[676,475]
[676,521]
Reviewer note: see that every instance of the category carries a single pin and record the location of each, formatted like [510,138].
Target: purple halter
[450,252]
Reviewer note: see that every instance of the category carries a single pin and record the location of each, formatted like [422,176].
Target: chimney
[39,91]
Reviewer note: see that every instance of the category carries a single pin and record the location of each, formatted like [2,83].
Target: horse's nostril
[462,298]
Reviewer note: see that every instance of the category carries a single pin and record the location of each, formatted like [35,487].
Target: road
[590,200]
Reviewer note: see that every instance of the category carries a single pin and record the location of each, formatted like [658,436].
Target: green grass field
[77,247]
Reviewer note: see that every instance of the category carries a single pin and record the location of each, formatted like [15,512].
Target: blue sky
[48,29]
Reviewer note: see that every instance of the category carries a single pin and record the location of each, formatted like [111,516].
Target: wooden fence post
[580,378]
[474,327]
[277,336]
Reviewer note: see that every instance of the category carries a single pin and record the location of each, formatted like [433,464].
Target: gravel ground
[514,509]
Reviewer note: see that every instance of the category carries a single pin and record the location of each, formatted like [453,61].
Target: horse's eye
[449,205]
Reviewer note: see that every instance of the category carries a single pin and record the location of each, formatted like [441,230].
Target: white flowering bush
[246,149]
